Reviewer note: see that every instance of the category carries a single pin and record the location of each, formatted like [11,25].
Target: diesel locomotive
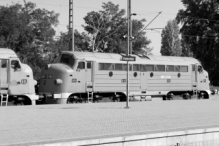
[88,76]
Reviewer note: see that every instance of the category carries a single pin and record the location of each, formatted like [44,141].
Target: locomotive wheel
[22,100]
[115,98]
[203,95]
[122,98]
[68,102]
[19,103]
[164,97]
[71,101]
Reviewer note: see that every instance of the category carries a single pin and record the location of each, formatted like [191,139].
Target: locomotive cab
[200,81]
[16,79]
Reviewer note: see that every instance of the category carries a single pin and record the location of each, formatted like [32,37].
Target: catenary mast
[71,26]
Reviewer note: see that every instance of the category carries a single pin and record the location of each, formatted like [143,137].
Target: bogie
[186,96]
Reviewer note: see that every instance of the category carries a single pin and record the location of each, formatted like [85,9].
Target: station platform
[111,123]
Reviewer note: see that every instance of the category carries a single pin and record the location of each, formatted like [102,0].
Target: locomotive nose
[53,78]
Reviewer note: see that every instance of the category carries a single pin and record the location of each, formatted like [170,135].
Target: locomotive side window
[130,67]
[4,63]
[118,67]
[136,67]
[193,67]
[81,65]
[170,68]
[160,68]
[106,66]
[143,68]
[89,64]
[200,69]
[183,68]
[101,66]
[15,65]
[111,67]
[67,59]
[177,68]
[150,67]
[124,67]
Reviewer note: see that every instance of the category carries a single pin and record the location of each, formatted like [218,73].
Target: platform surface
[29,125]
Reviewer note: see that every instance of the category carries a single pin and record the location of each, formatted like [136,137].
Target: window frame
[136,69]
[150,65]
[70,57]
[84,65]
[106,66]
[187,68]
[156,68]
[118,64]
[167,68]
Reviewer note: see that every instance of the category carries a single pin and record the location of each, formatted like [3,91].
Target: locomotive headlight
[43,76]
[58,82]
[34,82]
[49,76]
[47,66]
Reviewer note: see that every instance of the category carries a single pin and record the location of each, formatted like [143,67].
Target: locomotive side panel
[164,81]
[116,82]
[111,77]
[137,82]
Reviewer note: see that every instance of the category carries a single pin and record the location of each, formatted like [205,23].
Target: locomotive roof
[173,58]
[115,57]
[5,53]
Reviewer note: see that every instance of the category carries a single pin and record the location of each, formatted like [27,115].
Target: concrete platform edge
[165,138]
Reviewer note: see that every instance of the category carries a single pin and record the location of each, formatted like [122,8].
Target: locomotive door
[89,76]
[17,85]
[81,76]
[143,75]
[4,75]
[194,77]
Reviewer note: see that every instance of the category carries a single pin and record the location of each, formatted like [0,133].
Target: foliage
[200,29]
[29,32]
[171,44]
[185,48]
[107,30]
[81,42]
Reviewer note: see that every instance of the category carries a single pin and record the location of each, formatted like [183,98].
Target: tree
[108,27]
[200,29]
[171,44]
[29,32]
[186,52]
[81,41]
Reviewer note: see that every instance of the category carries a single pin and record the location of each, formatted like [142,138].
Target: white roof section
[94,56]
[6,53]
[139,58]
[173,59]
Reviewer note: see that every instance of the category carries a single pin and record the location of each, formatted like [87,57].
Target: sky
[145,9]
